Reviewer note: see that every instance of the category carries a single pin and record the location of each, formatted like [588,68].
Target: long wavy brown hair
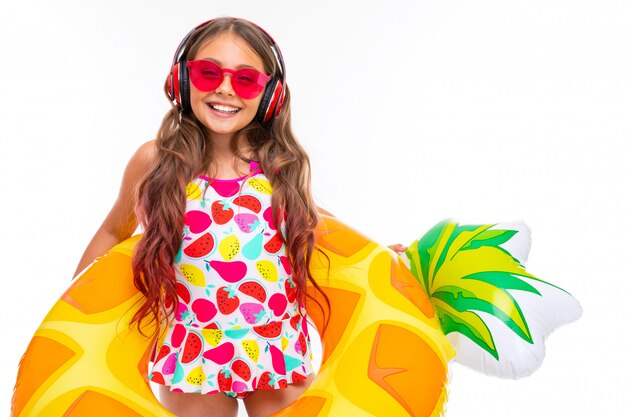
[185,151]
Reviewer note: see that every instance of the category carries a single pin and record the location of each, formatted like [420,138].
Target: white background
[412,112]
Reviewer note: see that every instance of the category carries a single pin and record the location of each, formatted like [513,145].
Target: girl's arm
[121,221]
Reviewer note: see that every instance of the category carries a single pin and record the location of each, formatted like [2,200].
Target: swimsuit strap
[254,166]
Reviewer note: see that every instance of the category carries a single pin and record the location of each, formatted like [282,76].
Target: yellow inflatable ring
[384,352]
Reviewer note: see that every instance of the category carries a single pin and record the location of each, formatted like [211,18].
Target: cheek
[195,95]
[253,105]
[194,98]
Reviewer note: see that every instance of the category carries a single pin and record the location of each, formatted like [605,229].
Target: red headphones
[273,96]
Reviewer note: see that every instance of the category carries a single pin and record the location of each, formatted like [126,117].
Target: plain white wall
[412,112]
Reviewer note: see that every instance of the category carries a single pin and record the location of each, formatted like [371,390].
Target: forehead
[230,51]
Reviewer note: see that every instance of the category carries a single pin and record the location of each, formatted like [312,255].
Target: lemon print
[212,336]
[193,274]
[267,270]
[229,247]
[196,376]
[252,349]
[261,185]
[193,191]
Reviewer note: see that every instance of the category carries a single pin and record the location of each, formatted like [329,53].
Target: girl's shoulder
[146,154]
[138,165]
[142,160]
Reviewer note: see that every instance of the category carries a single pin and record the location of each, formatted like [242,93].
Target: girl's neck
[225,163]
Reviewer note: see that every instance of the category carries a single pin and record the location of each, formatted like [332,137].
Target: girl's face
[222,111]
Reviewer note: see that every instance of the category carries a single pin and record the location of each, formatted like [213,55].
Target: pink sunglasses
[206,76]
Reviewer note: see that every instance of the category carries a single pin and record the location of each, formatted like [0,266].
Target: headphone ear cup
[272,101]
[183,82]
[178,85]
[172,85]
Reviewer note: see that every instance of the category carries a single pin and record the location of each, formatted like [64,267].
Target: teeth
[221,107]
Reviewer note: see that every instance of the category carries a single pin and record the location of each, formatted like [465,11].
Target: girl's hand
[398,247]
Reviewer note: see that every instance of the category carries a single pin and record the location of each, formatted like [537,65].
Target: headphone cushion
[183,82]
[267,107]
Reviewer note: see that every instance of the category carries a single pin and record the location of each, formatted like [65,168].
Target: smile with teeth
[223,108]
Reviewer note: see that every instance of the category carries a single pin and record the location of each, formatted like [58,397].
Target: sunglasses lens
[247,83]
[206,75]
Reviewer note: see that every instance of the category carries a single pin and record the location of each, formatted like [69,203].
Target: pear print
[230,271]
[252,249]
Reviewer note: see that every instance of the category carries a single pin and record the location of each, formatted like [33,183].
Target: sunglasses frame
[248,92]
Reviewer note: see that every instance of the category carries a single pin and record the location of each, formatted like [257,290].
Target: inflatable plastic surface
[385,349]
[496,314]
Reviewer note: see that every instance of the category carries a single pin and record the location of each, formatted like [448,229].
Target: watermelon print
[200,247]
[193,348]
[238,327]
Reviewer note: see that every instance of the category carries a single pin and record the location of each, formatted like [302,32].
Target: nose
[225,87]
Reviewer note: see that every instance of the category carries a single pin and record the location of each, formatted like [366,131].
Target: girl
[224,199]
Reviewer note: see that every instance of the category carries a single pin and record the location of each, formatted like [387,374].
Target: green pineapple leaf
[465,271]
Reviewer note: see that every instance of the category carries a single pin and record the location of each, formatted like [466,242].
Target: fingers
[398,247]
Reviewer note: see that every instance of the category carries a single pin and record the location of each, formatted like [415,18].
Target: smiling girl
[223,196]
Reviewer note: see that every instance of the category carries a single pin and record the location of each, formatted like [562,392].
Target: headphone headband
[273,96]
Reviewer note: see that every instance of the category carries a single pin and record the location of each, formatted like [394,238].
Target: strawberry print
[158,378]
[238,326]
[225,380]
[290,289]
[252,312]
[227,300]
[239,386]
[183,312]
[169,366]
[266,381]
[247,222]
[221,212]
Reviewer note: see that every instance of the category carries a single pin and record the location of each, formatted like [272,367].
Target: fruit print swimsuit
[238,327]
